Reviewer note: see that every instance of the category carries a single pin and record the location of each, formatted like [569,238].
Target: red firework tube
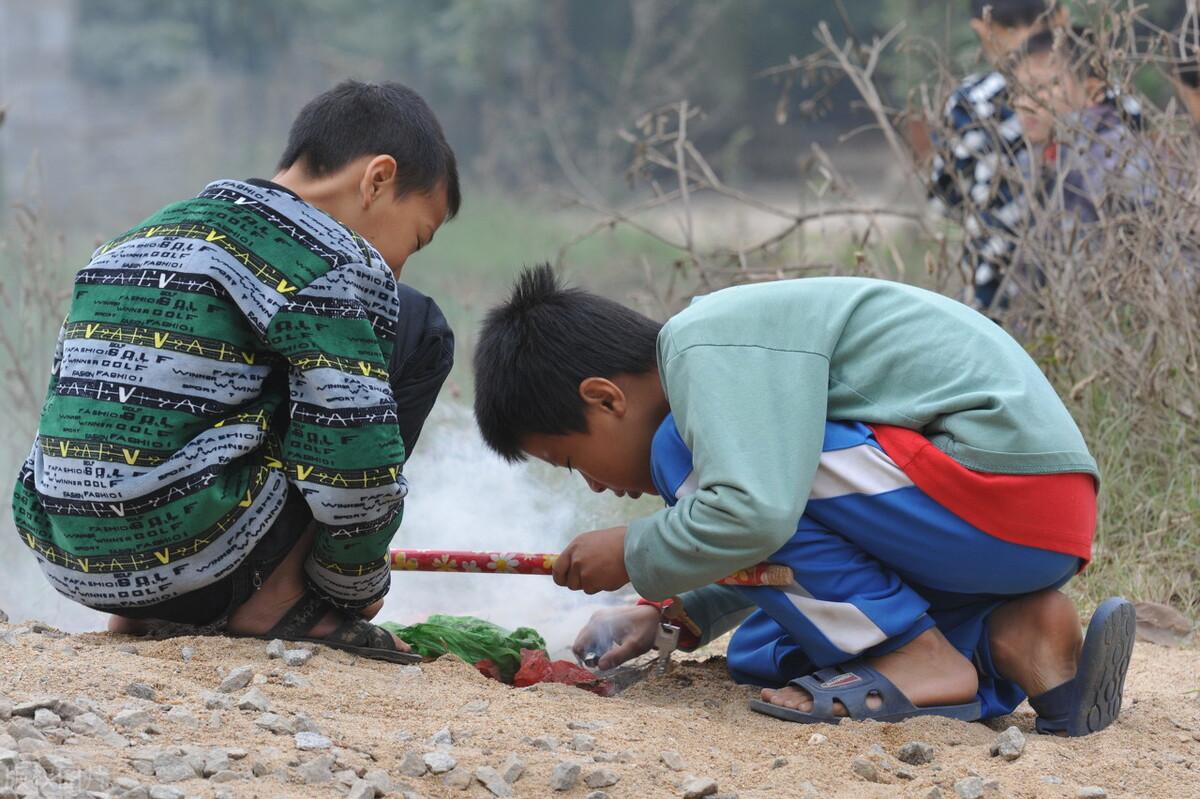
[467,562]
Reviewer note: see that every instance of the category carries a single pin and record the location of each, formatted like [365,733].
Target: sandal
[851,684]
[353,635]
[1092,699]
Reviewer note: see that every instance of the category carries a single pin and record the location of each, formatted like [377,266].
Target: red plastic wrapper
[536,667]
[489,669]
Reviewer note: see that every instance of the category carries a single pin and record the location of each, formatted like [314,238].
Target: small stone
[361,789]
[317,771]
[6,709]
[1009,744]
[698,787]
[1091,792]
[297,657]
[132,718]
[442,737]
[816,739]
[181,715]
[276,649]
[225,775]
[565,776]
[547,742]
[865,769]
[87,724]
[409,670]
[672,760]
[478,706]
[172,768]
[43,718]
[599,795]
[165,792]
[254,699]
[215,701]
[933,793]
[601,778]
[128,649]
[413,765]
[346,776]
[276,724]
[215,720]
[582,742]
[141,690]
[305,724]
[459,779]
[32,746]
[236,680]
[380,779]
[440,762]
[312,741]
[969,788]
[1051,779]
[294,680]
[779,762]
[588,726]
[55,764]
[215,760]
[187,653]
[512,768]
[493,781]
[915,753]
[28,709]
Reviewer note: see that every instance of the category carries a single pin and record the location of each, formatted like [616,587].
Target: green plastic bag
[469,638]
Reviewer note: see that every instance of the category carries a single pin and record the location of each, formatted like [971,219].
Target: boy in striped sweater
[899,451]
[239,382]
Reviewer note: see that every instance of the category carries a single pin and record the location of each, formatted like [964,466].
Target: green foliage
[469,638]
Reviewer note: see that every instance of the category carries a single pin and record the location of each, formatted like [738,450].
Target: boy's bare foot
[124,626]
[283,589]
[928,670]
[1036,641]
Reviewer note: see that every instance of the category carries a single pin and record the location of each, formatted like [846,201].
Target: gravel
[44,719]
[601,778]
[141,690]
[254,699]
[236,680]
[187,653]
[181,715]
[317,771]
[970,787]
[276,648]
[512,768]
[361,789]
[866,769]
[1091,792]
[672,760]
[215,701]
[698,787]
[440,762]
[1009,744]
[459,779]
[916,753]
[582,742]
[165,792]
[588,726]
[493,781]
[547,742]
[276,724]
[380,779]
[565,776]
[131,717]
[442,737]
[297,657]
[413,765]
[312,741]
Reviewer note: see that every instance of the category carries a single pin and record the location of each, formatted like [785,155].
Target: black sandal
[356,636]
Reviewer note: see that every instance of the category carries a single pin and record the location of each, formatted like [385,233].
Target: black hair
[537,347]
[354,119]
[1187,51]
[1077,47]
[1012,13]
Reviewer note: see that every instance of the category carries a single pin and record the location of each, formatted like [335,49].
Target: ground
[374,714]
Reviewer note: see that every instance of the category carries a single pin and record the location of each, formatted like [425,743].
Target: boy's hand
[617,634]
[593,562]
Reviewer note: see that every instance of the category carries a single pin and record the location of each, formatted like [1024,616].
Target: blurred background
[113,108]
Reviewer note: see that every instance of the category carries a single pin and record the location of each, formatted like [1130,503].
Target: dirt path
[373,715]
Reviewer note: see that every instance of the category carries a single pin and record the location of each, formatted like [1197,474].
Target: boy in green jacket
[239,382]
[900,452]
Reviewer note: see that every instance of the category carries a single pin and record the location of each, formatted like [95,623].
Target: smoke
[461,497]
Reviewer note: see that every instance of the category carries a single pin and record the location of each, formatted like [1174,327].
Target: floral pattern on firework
[428,560]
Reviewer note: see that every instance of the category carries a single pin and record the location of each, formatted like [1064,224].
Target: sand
[375,713]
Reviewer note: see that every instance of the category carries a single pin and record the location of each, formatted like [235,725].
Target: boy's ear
[602,394]
[981,28]
[377,179]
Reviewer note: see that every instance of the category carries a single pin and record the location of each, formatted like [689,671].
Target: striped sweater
[229,345]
